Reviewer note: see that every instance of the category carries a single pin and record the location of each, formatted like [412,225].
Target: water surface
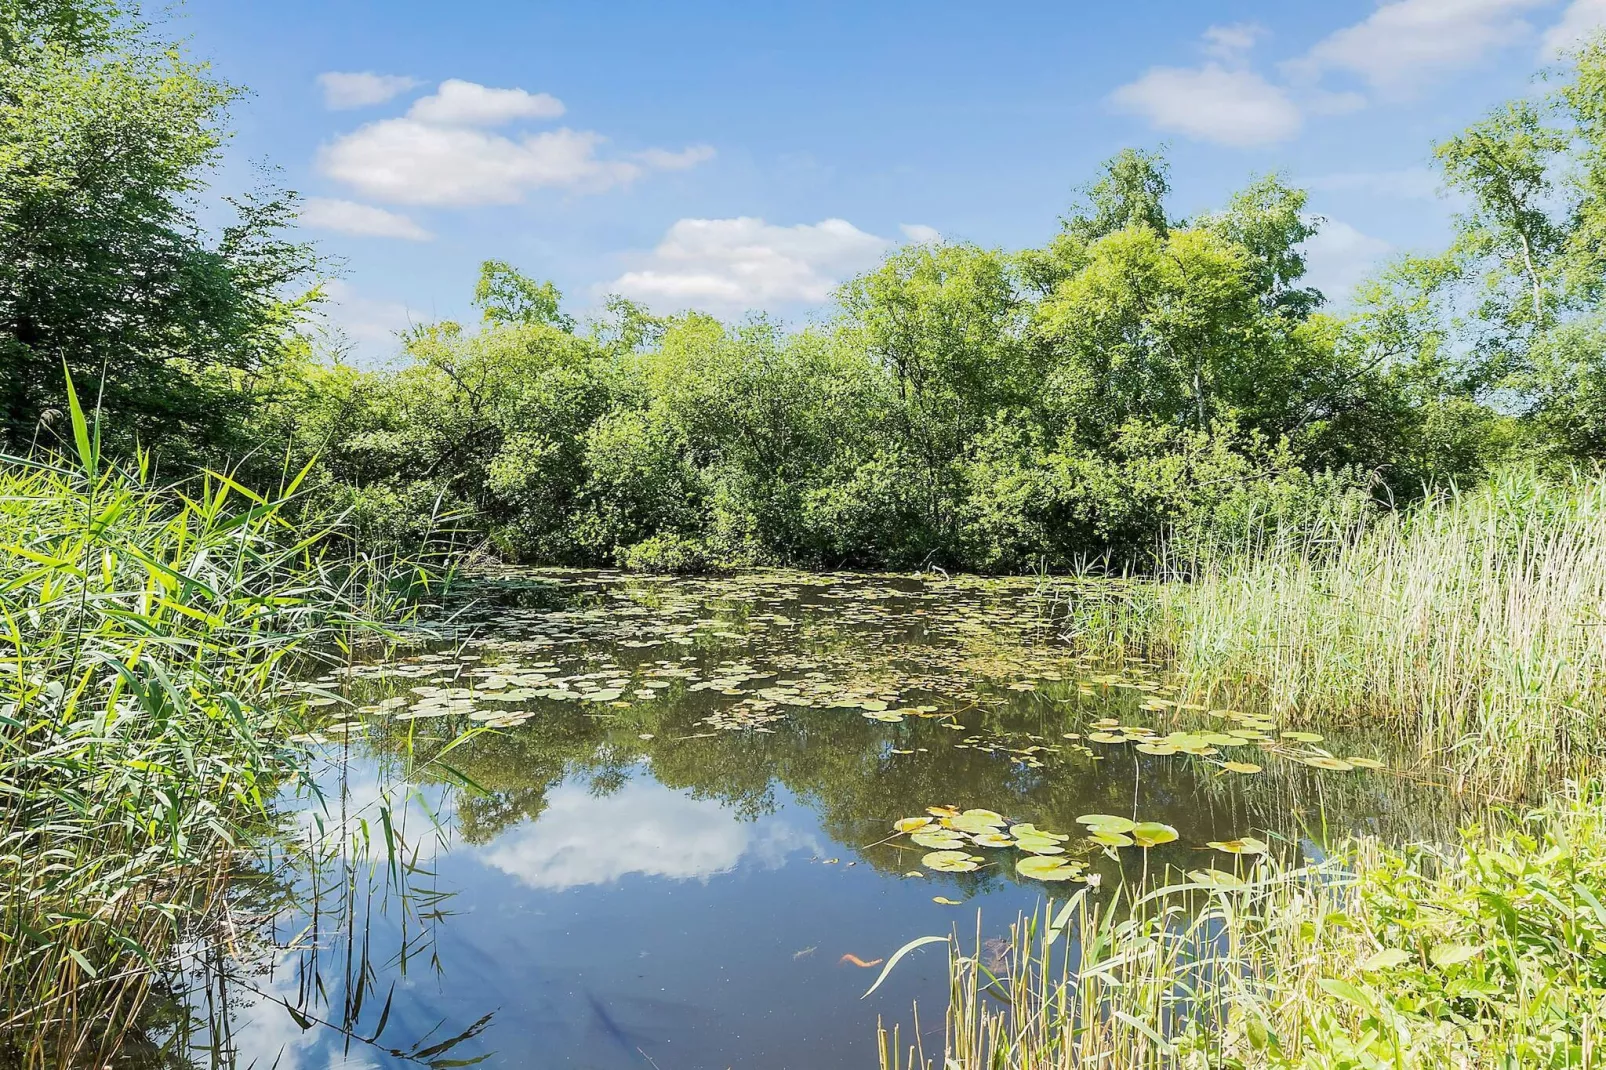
[675,830]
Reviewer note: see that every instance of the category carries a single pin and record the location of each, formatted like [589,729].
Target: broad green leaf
[1386,959]
[1152,834]
[1444,955]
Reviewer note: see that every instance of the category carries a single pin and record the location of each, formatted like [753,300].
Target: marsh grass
[150,637]
[1488,953]
[1473,626]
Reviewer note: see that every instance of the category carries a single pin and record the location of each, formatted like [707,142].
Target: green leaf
[1346,991]
[1386,959]
[950,861]
[1452,954]
[897,956]
[1153,833]
[1107,823]
[1049,868]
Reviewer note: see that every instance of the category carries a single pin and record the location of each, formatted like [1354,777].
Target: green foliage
[1467,623]
[966,408]
[151,641]
[1492,953]
[106,136]
[505,296]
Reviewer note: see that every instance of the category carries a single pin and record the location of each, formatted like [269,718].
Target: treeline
[1140,377]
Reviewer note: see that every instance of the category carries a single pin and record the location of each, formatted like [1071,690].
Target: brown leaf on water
[857,961]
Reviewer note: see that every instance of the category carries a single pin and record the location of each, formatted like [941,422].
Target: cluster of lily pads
[1250,730]
[763,647]
[948,834]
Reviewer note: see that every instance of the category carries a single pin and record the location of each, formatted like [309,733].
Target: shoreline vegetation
[1487,953]
[1145,394]
[154,635]
[1472,624]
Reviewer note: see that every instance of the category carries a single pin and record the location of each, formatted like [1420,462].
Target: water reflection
[641,829]
[665,855]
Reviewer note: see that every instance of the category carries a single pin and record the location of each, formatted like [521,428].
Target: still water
[607,821]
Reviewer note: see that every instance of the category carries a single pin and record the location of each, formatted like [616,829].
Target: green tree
[107,135]
[504,295]
[946,325]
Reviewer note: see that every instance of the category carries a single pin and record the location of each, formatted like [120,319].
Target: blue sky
[732,156]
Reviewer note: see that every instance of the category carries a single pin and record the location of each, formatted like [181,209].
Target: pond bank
[1473,629]
[149,635]
[1491,953]
[759,781]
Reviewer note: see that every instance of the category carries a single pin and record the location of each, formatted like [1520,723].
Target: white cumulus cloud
[441,152]
[1407,43]
[685,159]
[460,103]
[1339,256]
[1232,43]
[361,89]
[1212,103]
[742,263]
[364,220]
[1582,19]
[920,234]
[409,162]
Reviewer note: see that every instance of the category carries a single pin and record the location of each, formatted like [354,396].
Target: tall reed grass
[150,637]
[1488,954]
[1475,623]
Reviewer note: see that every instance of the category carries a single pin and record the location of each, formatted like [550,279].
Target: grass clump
[1473,623]
[149,640]
[1491,953]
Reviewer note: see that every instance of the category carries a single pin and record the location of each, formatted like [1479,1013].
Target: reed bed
[150,636]
[1475,624]
[1490,953]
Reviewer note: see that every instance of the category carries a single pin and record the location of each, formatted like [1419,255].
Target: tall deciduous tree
[107,136]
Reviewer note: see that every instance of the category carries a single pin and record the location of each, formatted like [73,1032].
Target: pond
[672,843]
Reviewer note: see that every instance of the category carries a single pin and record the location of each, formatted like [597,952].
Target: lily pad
[1026,828]
[1246,845]
[1215,878]
[992,839]
[977,821]
[1322,761]
[1303,737]
[1049,869]
[1240,767]
[938,839]
[1153,833]
[1107,823]
[951,861]
[910,824]
[1038,845]
[1112,839]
